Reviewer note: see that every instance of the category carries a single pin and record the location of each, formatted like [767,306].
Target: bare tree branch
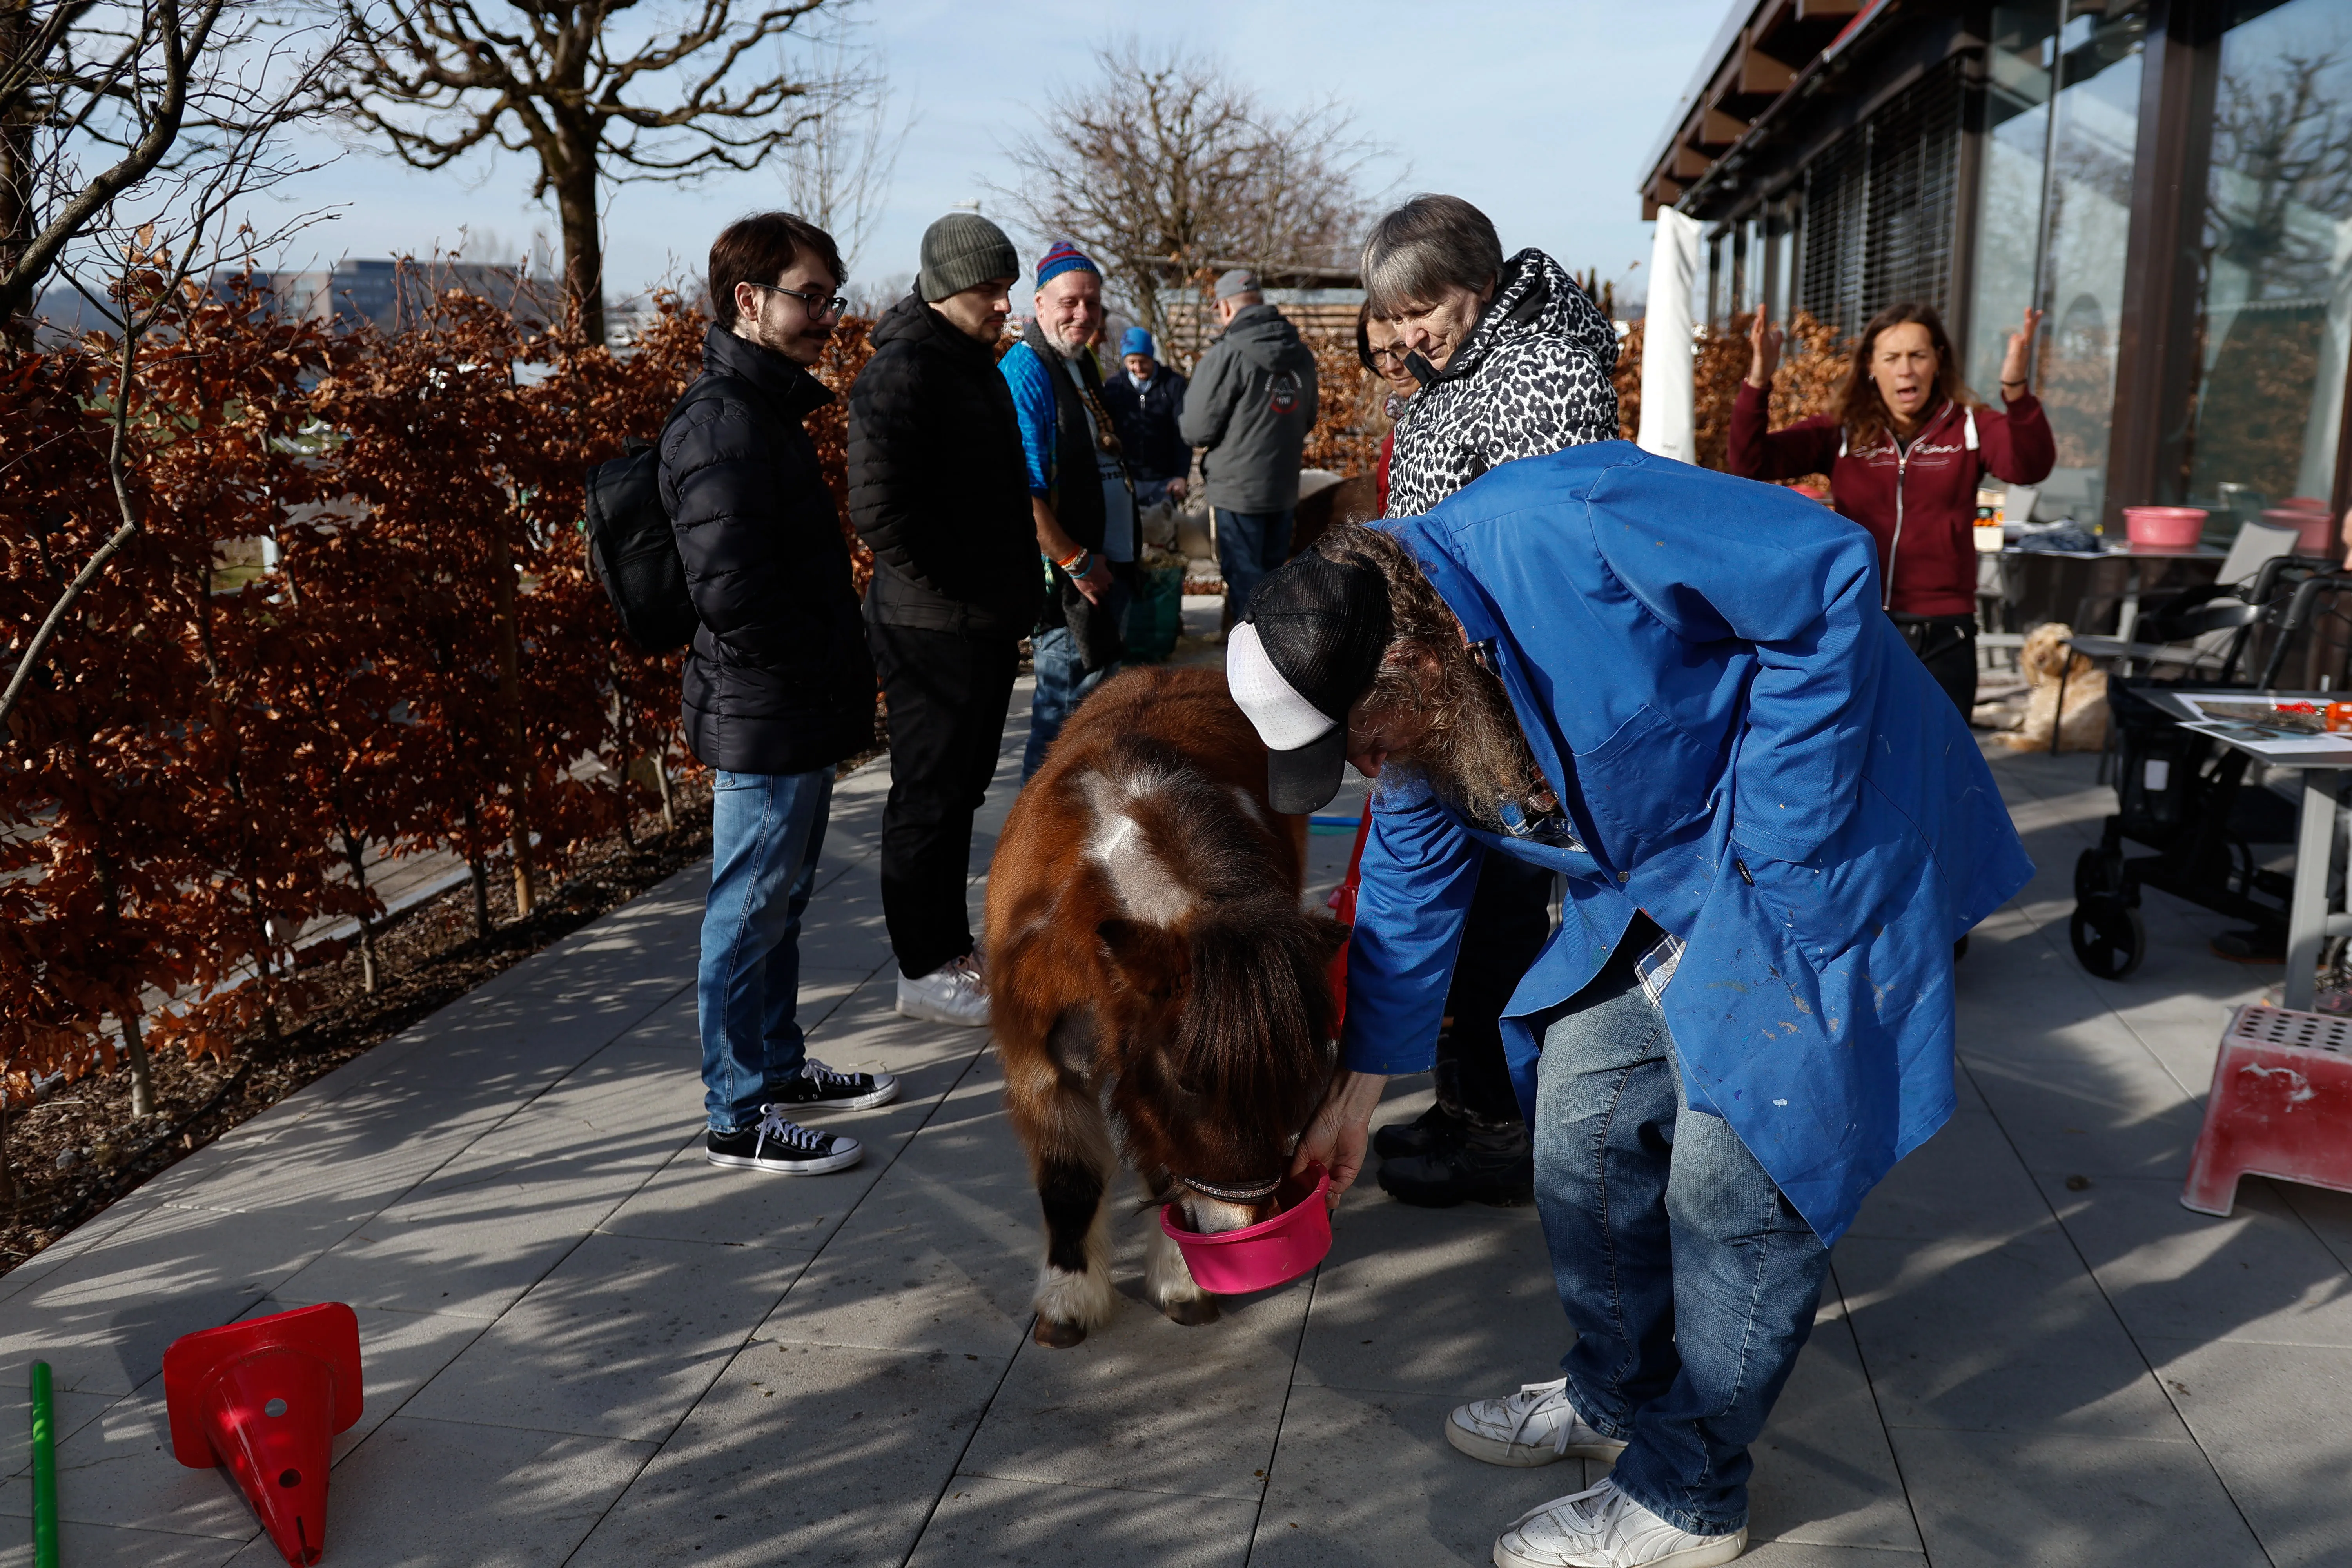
[568,82]
[1164,164]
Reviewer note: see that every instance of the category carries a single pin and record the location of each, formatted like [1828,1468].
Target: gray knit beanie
[963,250]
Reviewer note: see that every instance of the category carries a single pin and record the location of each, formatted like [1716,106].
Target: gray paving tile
[2329,1215]
[840,1452]
[399,1352]
[986,1521]
[618,1341]
[2259,1275]
[690,1199]
[1995,1499]
[70,1412]
[1965,1180]
[2272,1419]
[1146,1405]
[1824,1473]
[1456,1301]
[2006,1336]
[1365,1477]
[102,1318]
[119,1471]
[103,1546]
[942,1253]
[433,1492]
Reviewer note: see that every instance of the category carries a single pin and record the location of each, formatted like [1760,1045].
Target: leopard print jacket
[1533,377]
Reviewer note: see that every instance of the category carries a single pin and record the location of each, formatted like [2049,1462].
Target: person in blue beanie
[1145,402]
[1078,493]
[1677,689]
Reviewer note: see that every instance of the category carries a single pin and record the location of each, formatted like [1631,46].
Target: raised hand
[2015,363]
[1763,349]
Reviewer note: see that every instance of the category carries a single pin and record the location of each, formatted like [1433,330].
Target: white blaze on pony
[1162,994]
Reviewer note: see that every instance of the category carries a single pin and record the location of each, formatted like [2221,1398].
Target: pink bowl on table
[2314,524]
[2163,527]
[1271,1252]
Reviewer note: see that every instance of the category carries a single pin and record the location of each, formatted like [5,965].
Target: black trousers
[947,694]
[1947,644]
[1510,916]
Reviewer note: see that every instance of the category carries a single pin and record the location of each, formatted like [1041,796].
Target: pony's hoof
[1193,1313]
[1056,1336]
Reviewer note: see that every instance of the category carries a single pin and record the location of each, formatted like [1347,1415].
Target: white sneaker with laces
[1602,1528]
[1533,1426]
[952,993]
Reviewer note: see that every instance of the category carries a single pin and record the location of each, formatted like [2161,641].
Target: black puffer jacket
[937,486]
[778,681]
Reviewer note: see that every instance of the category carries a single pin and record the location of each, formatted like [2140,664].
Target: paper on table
[2268,743]
[2297,716]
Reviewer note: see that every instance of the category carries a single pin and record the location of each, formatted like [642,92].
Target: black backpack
[631,547]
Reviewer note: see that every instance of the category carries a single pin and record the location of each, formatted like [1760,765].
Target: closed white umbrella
[1668,390]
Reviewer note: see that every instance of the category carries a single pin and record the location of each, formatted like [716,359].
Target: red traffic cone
[266,1397]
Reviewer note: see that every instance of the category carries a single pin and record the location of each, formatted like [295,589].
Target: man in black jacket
[779,686]
[938,489]
[1146,402]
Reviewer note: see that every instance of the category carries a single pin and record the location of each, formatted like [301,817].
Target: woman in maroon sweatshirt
[1905,454]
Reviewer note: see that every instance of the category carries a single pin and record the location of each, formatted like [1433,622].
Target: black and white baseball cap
[1307,648]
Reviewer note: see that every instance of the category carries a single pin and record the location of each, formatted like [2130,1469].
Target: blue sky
[1541,113]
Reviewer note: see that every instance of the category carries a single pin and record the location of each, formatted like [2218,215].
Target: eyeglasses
[815,303]
[1394,356]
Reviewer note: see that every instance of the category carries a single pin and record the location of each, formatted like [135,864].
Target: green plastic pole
[44,1470]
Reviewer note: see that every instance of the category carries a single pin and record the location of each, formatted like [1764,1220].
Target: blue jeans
[1249,546]
[1690,1280]
[765,832]
[1062,683]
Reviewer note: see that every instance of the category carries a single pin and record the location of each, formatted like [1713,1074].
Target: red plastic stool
[2281,1106]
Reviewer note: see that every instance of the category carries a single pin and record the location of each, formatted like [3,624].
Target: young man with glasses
[779,686]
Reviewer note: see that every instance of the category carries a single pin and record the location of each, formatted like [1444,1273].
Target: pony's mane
[1258,1001]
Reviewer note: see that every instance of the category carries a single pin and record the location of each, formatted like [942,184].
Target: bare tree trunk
[661,781]
[367,923]
[575,206]
[510,700]
[142,1080]
[478,871]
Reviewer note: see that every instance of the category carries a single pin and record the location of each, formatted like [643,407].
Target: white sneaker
[951,993]
[1603,1527]
[1533,1426]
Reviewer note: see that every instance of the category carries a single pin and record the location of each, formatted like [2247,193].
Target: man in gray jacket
[1251,403]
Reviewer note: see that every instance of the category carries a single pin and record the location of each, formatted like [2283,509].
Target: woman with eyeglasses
[1381,349]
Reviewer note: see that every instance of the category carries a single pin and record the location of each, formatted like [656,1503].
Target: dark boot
[1433,1132]
[1489,1166]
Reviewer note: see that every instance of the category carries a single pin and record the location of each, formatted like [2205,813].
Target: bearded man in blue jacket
[1677,689]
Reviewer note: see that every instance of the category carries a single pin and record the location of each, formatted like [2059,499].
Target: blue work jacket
[1747,751]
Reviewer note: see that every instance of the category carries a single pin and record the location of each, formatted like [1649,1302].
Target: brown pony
[1150,969]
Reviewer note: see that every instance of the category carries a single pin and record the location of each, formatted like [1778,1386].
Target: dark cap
[1309,647]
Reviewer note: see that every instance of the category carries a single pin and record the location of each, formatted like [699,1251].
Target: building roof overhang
[1767,55]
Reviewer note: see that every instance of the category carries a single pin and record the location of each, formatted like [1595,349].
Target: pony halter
[1248,1194]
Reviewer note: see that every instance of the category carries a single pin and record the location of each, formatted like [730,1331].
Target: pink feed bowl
[1271,1252]
[2314,527]
[2163,527]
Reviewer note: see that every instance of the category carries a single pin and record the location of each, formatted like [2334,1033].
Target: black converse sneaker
[820,1085]
[776,1144]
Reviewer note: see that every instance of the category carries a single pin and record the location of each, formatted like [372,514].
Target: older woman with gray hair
[1513,358]
[1513,361]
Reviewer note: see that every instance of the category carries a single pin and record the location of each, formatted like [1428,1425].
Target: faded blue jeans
[1249,546]
[1690,1280]
[765,832]
[1062,682]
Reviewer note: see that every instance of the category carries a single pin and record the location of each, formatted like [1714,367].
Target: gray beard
[1067,351]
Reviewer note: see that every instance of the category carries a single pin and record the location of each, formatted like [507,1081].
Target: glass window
[2096,59]
[2277,306]
[2009,222]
